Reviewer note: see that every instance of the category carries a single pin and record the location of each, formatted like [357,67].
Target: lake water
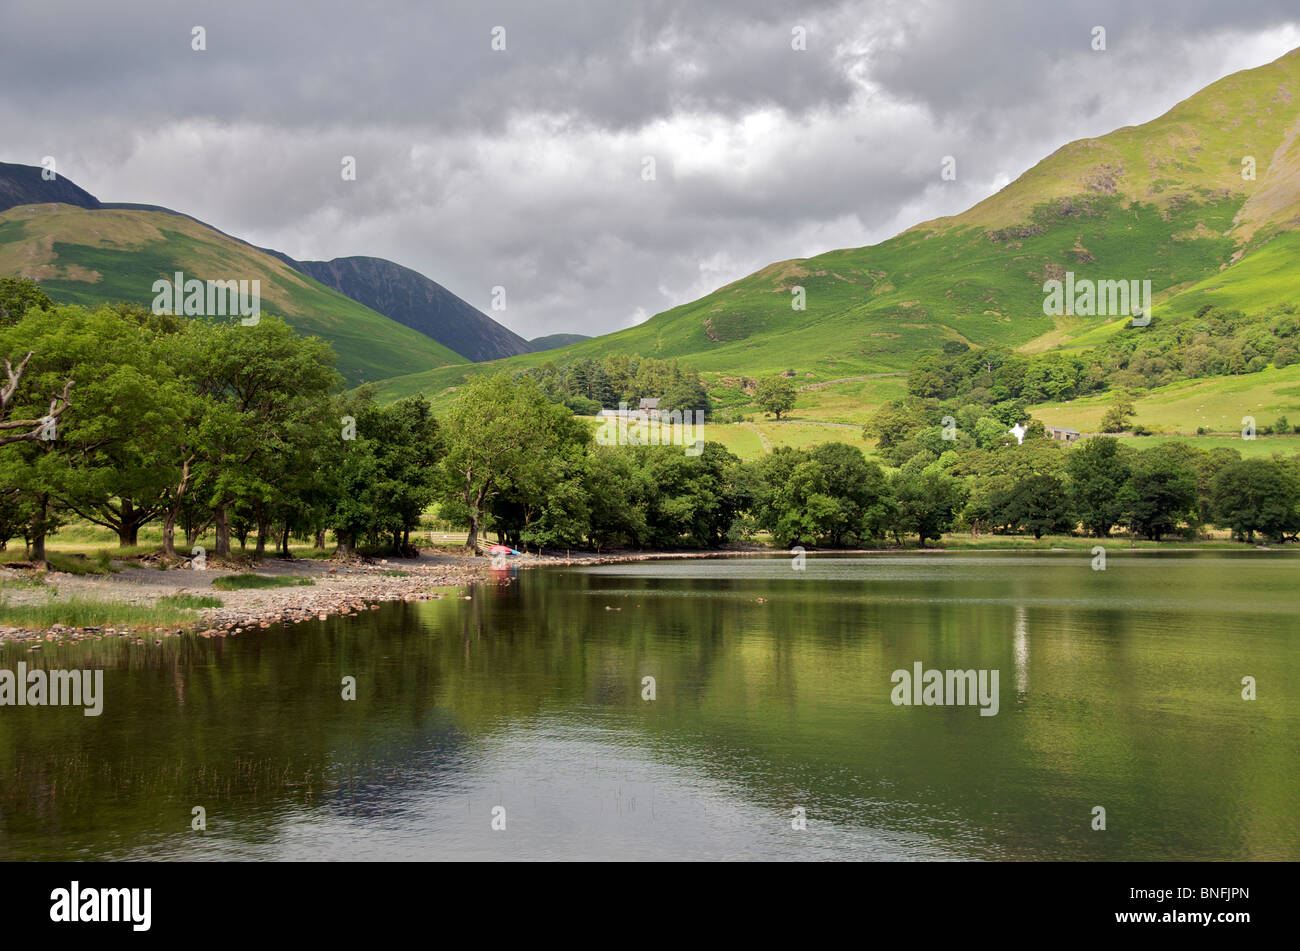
[1119,688]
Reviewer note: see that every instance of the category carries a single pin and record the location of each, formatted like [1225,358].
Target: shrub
[100,564]
[236,582]
[189,601]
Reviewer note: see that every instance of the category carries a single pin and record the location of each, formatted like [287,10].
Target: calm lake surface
[1119,688]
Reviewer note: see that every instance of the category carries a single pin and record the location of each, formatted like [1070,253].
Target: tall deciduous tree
[927,502]
[268,382]
[1257,495]
[1099,484]
[498,433]
[775,395]
[1164,494]
[107,458]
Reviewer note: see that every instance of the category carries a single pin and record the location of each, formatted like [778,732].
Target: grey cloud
[522,169]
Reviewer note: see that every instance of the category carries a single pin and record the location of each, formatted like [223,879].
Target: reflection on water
[1121,688]
[1022,651]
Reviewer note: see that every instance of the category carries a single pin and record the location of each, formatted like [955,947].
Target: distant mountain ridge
[552,341]
[24,185]
[411,299]
[399,293]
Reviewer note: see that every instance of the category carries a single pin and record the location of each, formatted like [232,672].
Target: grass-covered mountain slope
[399,293]
[1165,201]
[90,256]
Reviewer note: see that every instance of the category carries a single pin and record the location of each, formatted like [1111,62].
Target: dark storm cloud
[610,64]
[523,168]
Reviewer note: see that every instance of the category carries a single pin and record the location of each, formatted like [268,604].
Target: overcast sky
[523,167]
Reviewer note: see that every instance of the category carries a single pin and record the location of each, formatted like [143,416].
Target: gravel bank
[340,588]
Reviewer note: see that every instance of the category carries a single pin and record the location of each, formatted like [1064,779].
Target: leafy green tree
[540,504]
[1163,495]
[119,436]
[383,460]
[991,432]
[18,296]
[927,502]
[1116,419]
[498,434]
[1099,484]
[693,498]
[1009,412]
[859,489]
[1257,495]
[107,459]
[775,395]
[791,499]
[686,395]
[616,487]
[831,494]
[354,506]
[1037,504]
[268,384]
[25,429]
[15,515]
[409,443]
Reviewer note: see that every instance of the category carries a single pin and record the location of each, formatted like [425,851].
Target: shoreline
[342,588]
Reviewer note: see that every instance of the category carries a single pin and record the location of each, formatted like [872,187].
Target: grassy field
[804,435]
[1215,403]
[835,412]
[1259,447]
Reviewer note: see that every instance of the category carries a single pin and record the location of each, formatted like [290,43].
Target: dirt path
[767,446]
[812,422]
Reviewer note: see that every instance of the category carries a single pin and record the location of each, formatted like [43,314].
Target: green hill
[1165,201]
[89,256]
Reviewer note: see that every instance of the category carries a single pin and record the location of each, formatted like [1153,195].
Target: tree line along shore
[122,418]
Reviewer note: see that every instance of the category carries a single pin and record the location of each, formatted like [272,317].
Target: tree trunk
[169,534]
[320,538]
[38,529]
[345,541]
[263,528]
[471,540]
[223,532]
[174,510]
[284,541]
[128,532]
